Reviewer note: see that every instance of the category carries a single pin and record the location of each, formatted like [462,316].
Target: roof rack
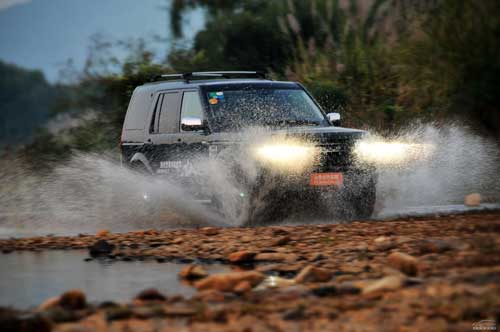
[210,74]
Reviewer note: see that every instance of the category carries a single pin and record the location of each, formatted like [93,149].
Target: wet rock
[242,287]
[313,274]
[384,243]
[73,300]
[210,295]
[279,231]
[61,315]
[12,321]
[179,311]
[434,246]
[226,282]
[192,272]
[102,233]
[108,304]
[178,240]
[150,294]
[209,231]
[283,270]
[149,312]
[297,313]
[275,257]
[472,200]
[403,262]
[348,288]
[323,291]
[101,248]
[49,303]
[384,284]
[282,241]
[241,256]
[317,257]
[118,313]
[275,282]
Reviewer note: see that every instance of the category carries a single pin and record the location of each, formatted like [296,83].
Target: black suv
[300,152]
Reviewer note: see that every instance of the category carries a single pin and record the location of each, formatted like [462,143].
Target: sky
[44,34]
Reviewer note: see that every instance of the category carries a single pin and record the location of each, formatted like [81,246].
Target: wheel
[359,197]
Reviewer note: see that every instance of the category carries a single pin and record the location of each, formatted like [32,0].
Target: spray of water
[455,162]
[91,192]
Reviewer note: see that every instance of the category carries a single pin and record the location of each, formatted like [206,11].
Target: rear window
[137,111]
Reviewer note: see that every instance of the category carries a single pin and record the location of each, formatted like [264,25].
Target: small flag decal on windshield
[214,97]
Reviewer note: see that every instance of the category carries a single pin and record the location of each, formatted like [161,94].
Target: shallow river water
[29,278]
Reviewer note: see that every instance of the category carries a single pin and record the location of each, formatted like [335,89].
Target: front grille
[336,155]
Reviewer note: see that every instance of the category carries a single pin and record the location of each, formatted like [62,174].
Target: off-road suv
[300,151]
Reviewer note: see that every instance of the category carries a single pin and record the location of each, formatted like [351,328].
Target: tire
[359,198]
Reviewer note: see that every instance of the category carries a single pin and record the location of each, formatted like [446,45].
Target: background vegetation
[381,63]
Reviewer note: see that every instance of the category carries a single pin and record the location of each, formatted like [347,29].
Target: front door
[174,152]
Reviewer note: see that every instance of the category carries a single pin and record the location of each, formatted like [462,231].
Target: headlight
[392,153]
[292,156]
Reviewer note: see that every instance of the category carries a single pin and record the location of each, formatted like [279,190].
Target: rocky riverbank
[427,274]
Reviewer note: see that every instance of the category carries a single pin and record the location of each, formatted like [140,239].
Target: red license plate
[326,179]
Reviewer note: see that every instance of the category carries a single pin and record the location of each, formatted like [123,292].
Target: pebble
[102,233]
[384,284]
[472,200]
[403,262]
[275,257]
[241,256]
[100,248]
[313,274]
[150,294]
[226,282]
[192,272]
[73,300]
[282,241]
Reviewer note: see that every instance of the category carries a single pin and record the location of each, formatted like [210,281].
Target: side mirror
[192,123]
[334,118]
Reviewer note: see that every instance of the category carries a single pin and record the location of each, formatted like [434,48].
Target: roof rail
[211,74]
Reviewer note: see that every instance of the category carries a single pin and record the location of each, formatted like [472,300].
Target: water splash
[91,192]
[459,163]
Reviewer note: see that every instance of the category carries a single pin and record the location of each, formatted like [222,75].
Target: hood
[318,134]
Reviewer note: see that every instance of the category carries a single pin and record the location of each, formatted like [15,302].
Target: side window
[191,105]
[153,127]
[167,118]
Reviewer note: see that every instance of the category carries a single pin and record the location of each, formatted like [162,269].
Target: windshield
[268,107]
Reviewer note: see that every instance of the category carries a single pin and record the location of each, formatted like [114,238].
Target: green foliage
[454,67]
[381,63]
[25,102]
